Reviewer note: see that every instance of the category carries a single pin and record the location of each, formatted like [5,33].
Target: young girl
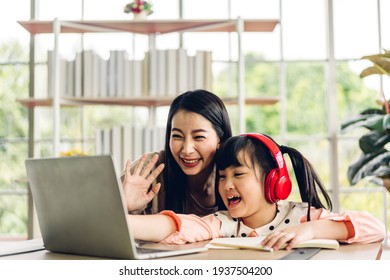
[253,178]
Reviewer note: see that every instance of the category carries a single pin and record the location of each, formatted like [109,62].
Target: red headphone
[277,183]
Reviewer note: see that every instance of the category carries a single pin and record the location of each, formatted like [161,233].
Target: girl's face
[193,142]
[242,191]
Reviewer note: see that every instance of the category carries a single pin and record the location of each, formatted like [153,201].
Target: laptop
[81,210]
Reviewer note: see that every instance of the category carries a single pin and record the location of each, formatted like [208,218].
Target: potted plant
[140,9]
[374,161]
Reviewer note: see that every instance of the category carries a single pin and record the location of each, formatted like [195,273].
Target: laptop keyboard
[142,250]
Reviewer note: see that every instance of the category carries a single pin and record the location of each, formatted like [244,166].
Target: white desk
[345,252]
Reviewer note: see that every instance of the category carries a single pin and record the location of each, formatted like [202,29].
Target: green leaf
[386,122]
[368,165]
[373,141]
[372,70]
[381,65]
[371,122]
[382,171]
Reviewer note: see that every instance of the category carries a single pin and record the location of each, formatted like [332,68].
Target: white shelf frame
[150,28]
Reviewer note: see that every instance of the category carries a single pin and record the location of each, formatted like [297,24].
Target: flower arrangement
[138,6]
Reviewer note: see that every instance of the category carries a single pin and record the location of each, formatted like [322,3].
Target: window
[292,62]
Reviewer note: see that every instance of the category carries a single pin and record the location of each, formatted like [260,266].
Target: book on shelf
[137,78]
[171,70]
[98,142]
[158,138]
[147,139]
[78,75]
[50,77]
[120,61]
[69,78]
[62,66]
[116,146]
[161,77]
[202,70]
[182,73]
[254,243]
[87,68]
[138,140]
[208,73]
[101,76]
[106,141]
[161,73]
[191,72]
[151,62]
[128,142]
[128,78]
[111,66]
[63,77]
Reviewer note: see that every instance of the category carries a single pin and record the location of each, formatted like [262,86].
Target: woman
[182,177]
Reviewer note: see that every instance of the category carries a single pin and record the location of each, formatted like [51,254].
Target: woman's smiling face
[193,142]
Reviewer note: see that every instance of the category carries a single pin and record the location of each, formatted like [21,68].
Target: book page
[254,243]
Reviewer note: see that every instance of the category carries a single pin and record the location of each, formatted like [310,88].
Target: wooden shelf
[43,102]
[142,101]
[271,100]
[149,26]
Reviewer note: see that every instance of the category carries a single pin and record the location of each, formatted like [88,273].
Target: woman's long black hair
[211,107]
[309,182]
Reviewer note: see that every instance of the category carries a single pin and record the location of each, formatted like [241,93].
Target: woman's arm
[137,180]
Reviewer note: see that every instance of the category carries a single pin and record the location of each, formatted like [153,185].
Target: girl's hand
[289,236]
[136,185]
[314,229]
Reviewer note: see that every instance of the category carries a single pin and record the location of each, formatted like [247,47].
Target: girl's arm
[153,228]
[168,227]
[319,229]
[362,226]
[349,227]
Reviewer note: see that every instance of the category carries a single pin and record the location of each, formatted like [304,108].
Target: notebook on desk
[81,209]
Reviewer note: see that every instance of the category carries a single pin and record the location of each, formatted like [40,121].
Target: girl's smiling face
[242,191]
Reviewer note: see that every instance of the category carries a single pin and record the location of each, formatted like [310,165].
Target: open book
[254,243]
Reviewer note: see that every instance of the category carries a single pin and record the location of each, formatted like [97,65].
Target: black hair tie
[283,149]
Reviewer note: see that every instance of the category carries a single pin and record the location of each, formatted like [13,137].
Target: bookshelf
[148,26]
[141,101]
[151,28]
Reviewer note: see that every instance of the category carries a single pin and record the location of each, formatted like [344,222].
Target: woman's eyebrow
[194,131]
[176,129]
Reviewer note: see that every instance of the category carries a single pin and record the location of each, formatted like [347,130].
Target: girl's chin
[235,213]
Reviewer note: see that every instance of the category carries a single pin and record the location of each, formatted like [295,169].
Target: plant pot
[141,16]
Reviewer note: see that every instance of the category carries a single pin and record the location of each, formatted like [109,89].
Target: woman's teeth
[190,161]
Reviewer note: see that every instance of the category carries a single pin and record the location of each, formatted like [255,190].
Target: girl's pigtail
[308,180]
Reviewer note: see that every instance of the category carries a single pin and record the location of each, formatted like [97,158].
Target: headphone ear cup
[270,183]
[277,188]
[283,188]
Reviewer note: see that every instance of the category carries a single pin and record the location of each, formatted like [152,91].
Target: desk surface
[345,252]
